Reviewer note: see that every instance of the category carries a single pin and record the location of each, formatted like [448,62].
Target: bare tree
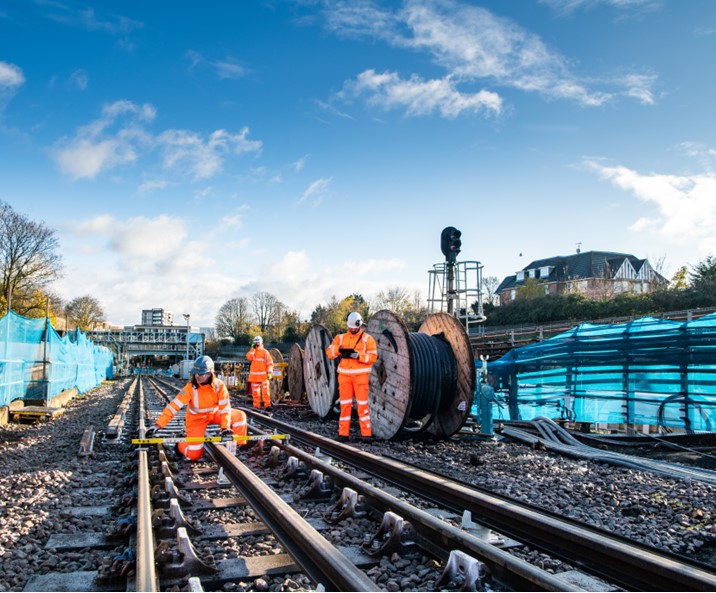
[234,318]
[265,306]
[83,312]
[490,284]
[29,262]
[395,299]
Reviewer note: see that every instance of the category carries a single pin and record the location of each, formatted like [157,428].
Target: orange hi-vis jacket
[363,343]
[261,365]
[205,399]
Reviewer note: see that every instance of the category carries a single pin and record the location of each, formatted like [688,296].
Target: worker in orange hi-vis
[207,400]
[260,372]
[358,352]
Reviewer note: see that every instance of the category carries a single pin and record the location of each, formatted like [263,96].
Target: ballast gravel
[674,515]
[42,477]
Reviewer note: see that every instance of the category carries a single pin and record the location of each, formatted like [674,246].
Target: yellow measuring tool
[171,441]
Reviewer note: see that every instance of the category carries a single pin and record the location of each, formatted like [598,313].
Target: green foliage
[703,274]
[577,307]
[333,316]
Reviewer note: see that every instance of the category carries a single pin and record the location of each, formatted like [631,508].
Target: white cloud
[80,79]
[119,137]
[316,191]
[685,204]
[420,97]
[300,163]
[149,186]
[298,283]
[138,241]
[84,159]
[473,46]
[225,69]
[569,6]
[11,77]
[187,150]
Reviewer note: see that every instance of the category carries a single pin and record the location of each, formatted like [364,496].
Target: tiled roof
[591,264]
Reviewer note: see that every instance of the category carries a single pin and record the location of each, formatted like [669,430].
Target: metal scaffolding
[455,288]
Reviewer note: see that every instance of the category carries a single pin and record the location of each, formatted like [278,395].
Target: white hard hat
[354,320]
[258,340]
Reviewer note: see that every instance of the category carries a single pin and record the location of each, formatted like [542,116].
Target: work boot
[367,440]
[342,439]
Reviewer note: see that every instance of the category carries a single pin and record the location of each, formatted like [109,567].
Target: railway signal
[450,243]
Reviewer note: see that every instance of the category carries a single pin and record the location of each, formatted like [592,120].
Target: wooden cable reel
[319,372]
[421,382]
[296,384]
[275,385]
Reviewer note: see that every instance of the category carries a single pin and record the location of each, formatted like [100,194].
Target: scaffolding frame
[453,288]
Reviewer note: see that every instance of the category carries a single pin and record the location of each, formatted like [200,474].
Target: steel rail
[146,576]
[512,571]
[629,565]
[320,560]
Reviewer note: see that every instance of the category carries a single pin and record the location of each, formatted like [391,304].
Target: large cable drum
[455,405]
[276,383]
[296,384]
[421,382]
[319,372]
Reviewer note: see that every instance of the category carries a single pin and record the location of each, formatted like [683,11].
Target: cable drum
[434,375]
[296,384]
[422,382]
[319,372]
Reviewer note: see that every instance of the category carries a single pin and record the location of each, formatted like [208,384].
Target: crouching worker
[207,402]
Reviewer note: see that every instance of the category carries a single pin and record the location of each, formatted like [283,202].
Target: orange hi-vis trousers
[261,391]
[348,387]
[196,427]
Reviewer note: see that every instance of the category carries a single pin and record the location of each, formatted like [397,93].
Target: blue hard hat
[203,365]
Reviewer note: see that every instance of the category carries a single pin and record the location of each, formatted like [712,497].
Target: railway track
[332,564]
[619,561]
[310,513]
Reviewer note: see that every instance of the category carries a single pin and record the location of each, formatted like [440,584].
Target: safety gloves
[226,433]
[151,432]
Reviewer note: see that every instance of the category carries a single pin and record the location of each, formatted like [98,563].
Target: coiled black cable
[434,376]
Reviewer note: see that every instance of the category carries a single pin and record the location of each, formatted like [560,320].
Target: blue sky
[191,153]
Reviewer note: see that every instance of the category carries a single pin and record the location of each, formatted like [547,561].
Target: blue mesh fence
[33,367]
[647,371]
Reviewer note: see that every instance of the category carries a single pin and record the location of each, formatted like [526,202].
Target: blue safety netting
[39,364]
[647,371]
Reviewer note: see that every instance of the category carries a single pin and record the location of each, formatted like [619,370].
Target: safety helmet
[203,365]
[354,320]
[258,340]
